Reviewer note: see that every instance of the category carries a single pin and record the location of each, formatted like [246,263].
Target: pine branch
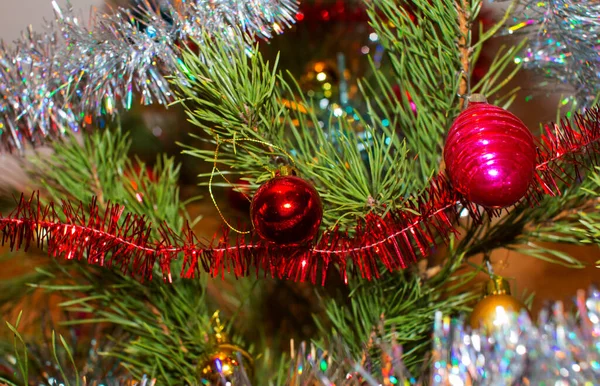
[148,323]
[70,360]
[358,172]
[421,42]
[253,116]
[359,167]
[430,47]
[120,301]
[407,310]
[395,240]
[384,359]
[571,218]
[169,328]
[464,26]
[100,167]
[255,108]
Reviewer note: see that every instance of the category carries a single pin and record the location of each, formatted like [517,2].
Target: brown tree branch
[462,8]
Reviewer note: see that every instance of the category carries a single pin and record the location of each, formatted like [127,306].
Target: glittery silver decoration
[564,43]
[50,363]
[58,81]
[560,349]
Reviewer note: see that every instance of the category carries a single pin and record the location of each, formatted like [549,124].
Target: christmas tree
[357,167]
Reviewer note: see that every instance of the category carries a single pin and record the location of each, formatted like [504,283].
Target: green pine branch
[257,115]
[421,42]
[572,218]
[101,166]
[262,128]
[426,63]
[536,230]
[167,326]
[406,303]
[61,354]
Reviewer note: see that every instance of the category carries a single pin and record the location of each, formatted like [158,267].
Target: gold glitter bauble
[223,365]
[493,310]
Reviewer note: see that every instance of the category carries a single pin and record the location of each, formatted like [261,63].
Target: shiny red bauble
[286,210]
[490,156]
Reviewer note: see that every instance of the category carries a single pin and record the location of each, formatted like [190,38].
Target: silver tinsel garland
[562,348]
[564,43]
[59,80]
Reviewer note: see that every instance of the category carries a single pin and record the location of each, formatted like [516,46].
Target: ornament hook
[477,98]
[488,264]
[236,142]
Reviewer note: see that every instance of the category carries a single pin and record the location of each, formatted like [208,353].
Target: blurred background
[17,15]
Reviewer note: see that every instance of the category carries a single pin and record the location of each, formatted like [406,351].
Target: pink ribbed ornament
[490,155]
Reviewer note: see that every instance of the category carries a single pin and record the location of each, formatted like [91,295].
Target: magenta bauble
[490,156]
[286,210]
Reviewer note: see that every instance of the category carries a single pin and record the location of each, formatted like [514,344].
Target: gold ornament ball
[223,364]
[487,314]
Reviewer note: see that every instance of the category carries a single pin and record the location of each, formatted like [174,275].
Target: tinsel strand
[561,348]
[108,237]
[51,362]
[67,77]
[563,43]
[566,150]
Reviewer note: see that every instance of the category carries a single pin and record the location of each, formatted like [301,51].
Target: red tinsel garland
[119,240]
[569,144]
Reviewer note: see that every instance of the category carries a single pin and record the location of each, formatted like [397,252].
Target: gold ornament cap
[223,363]
[477,98]
[497,286]
[220,335]
[286,171]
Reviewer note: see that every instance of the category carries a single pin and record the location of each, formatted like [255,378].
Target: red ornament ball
[490,156]
[286,210]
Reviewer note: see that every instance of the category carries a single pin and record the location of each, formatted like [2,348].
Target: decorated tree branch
[354,204]
[63,79]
